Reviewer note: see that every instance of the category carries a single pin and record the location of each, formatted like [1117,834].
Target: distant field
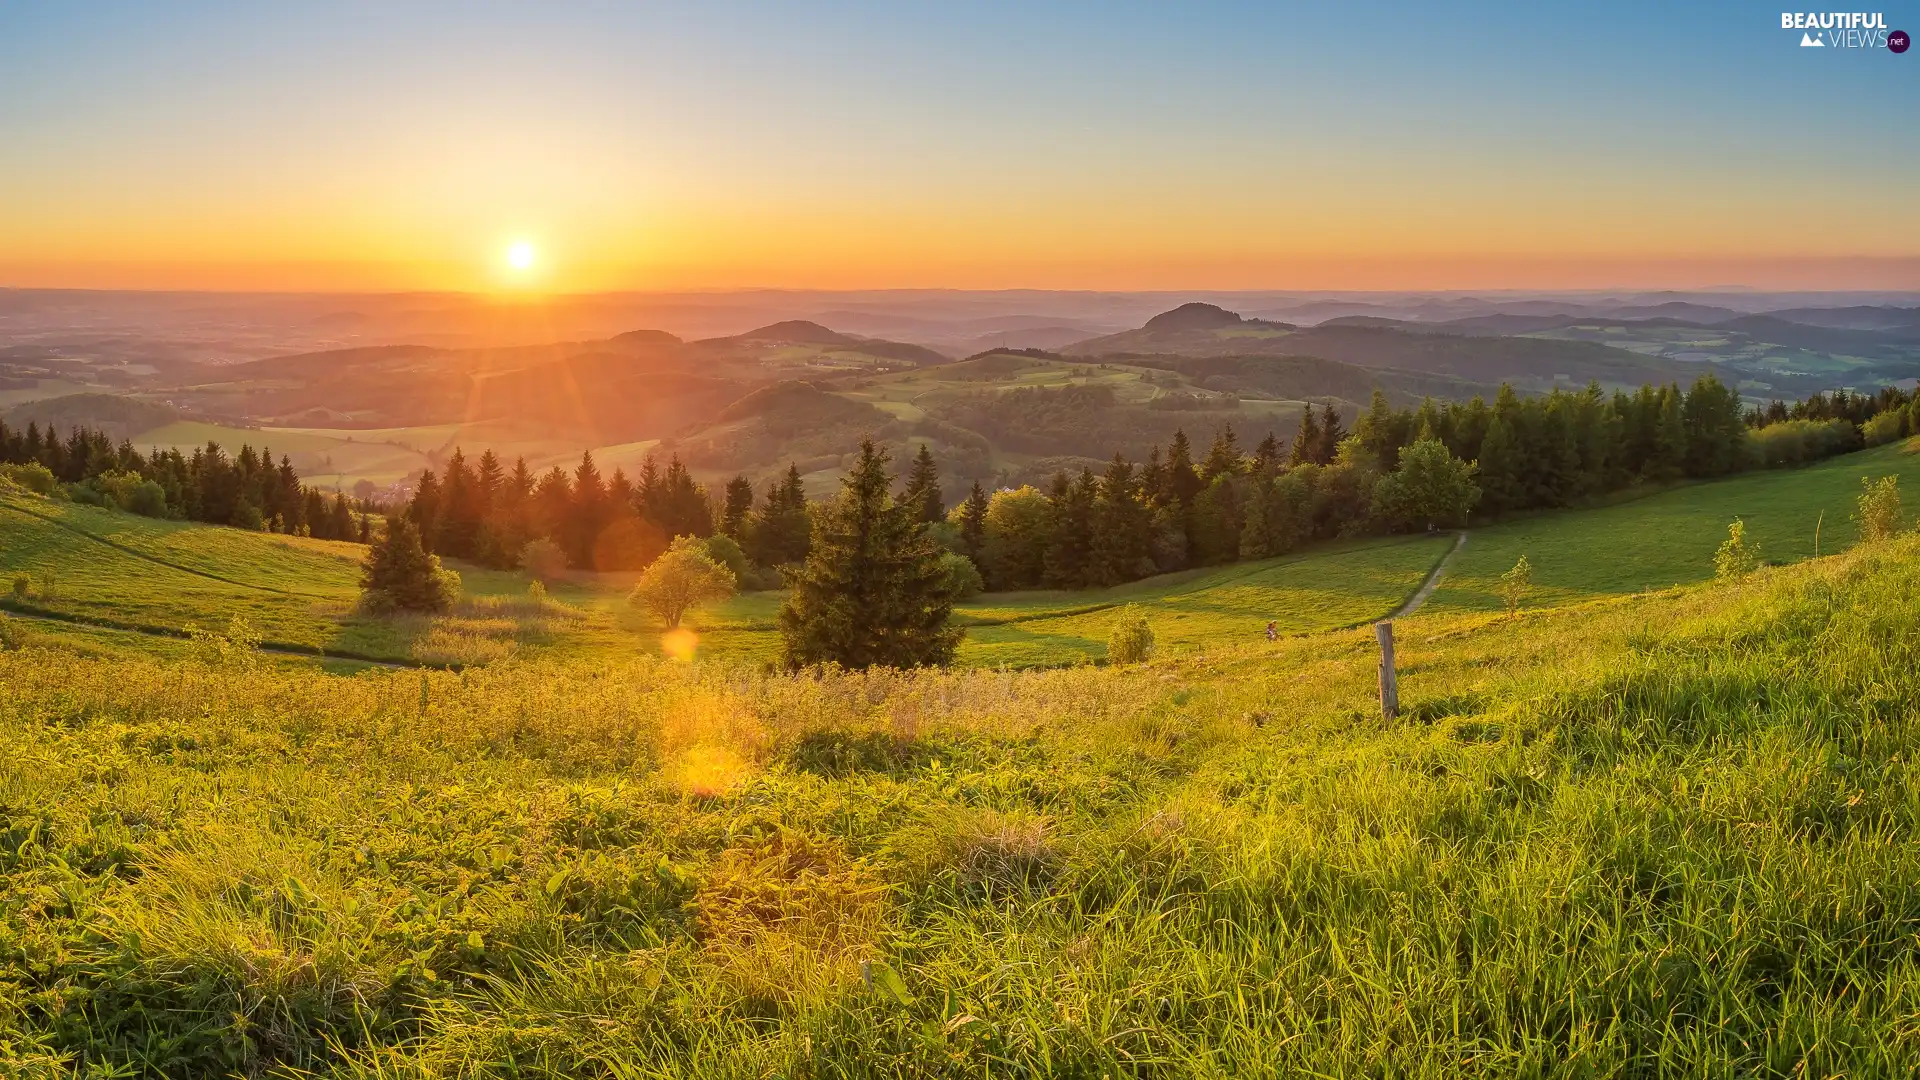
[341,457]
[1669,538]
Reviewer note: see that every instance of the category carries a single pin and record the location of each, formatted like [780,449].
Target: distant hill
[120,417]
[635,385]
[1528,362]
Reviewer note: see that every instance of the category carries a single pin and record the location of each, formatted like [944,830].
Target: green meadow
[1664,834]
[1669,538]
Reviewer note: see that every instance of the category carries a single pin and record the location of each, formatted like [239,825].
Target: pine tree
[973,523]
[425,508]
[1122,528]
[399,572]
[1266,457]
[923,488]
[1072,539]
[1306,442]
[1183,483]
[1668,457]
[1223,457]
[733,518]
[1499,469]
[1330,435]
[873,590]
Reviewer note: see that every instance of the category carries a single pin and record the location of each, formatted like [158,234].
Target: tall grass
[1664,835]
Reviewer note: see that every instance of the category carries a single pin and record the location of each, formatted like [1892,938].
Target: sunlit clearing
[679,643]
[707,771]
[520,255]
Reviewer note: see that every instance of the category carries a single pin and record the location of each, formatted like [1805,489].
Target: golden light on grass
[707,771]
[680,643]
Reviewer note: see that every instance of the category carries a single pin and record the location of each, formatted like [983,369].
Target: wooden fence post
[1389,688]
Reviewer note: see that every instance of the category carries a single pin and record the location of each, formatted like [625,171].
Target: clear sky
[1162,145]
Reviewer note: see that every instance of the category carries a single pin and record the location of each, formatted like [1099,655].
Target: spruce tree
[873,590]
[923,488]
[1330,435]
[1223,457]
[973,522]
[399,572]
[1499,468]
[733,517]
[1183,483]
[1072,541]
[1306,442]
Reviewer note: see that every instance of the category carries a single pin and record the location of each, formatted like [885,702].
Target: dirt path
[1433,579]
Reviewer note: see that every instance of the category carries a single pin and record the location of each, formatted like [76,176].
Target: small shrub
[1737,556]
[22,586]
[1131,640]
[1886,427]
[537,594]
[543,560]
[237,647]
[1878,510]
[962,575]
[1515,584]
[12,637]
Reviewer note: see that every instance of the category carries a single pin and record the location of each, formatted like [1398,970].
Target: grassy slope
[1659,835]
[1669,538]
[1196,609]
[132,571]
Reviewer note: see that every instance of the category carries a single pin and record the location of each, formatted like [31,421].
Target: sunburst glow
[520,255]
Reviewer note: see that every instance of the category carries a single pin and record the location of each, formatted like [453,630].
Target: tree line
[1397,469]
[246,489]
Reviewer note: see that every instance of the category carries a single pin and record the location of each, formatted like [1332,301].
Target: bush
[128,491]
[1886,427]
[35,477]
[1515,584]
[1793,442]
[1878,510]
[962,575]
[1131,640]
[1737,556]
[12,637]
[22,586]
[722,549]
[543,560]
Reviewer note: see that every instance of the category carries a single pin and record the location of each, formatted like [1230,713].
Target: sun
[520,255]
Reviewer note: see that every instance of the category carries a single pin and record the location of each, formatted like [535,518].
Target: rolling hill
[1202,330]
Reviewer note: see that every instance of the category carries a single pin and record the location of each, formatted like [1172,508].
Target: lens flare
[679,643]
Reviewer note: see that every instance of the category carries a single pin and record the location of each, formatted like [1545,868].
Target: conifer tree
[873,590]
[973,523]
[1072,539]
[1183,483]
[733,517]
[923,488]
[1306,442]
[1256,540]
[1122,528]
[1499,468]
[399,572]
[1266,457]
[1330,435]
[1223,457]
